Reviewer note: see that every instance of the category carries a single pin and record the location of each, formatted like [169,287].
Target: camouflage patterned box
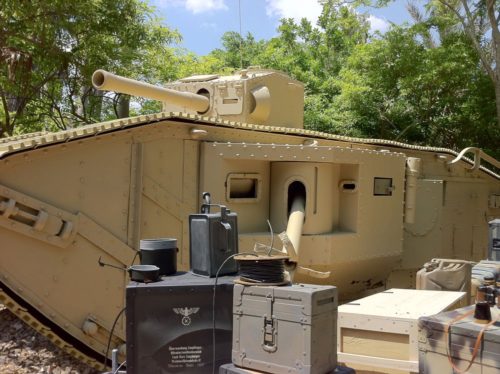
[434,344]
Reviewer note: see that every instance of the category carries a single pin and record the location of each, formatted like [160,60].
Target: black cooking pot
[137,273]
[160,252]
[144,273]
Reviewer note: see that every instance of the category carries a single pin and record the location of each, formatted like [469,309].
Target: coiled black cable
[262,270]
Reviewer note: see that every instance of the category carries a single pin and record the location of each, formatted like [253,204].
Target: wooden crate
[379,333]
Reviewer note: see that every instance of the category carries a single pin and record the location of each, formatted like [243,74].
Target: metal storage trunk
[169,324]
[213,237]
[433,344]
[290,329]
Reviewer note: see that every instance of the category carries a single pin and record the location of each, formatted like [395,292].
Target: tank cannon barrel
[296,222]
[104,80]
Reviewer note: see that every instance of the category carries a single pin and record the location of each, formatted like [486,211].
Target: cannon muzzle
[103,80]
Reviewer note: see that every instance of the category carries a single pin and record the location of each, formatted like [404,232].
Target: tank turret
[254,95]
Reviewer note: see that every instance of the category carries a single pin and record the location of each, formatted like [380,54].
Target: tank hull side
[142,180]
[113,189]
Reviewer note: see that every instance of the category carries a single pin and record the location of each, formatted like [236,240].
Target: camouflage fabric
[435,343]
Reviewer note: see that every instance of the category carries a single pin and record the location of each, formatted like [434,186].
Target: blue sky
[202,22]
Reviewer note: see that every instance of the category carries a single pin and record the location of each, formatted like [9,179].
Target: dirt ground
[24,351]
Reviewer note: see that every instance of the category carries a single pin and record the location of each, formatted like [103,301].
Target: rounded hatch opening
[295,189]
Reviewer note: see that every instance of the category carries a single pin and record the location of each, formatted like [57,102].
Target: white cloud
[201,6]
[194,6]
[209,25]
[378,24]
[311,9]
[296,9]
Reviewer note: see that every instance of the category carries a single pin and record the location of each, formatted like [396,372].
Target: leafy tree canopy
[433,82]
[49,49]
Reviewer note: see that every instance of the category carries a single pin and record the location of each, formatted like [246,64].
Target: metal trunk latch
[270,327]
[269,343]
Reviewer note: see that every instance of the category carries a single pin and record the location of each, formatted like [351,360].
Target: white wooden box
[380,332]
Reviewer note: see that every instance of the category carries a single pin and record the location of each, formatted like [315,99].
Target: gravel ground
[24,351]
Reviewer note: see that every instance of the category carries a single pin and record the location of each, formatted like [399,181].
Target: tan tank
[374,210]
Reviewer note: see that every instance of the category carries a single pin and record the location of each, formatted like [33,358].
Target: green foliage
[424,84]
[191,64]
[49,49]
[397,88]
[314,55]
[237,52]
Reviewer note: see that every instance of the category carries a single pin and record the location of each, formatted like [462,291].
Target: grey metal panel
[494,240]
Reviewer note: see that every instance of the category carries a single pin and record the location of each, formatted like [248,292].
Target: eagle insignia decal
[185,313]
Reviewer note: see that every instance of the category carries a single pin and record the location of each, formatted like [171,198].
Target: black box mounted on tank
[213,238]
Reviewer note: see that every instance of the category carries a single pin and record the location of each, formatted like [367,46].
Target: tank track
[42,325]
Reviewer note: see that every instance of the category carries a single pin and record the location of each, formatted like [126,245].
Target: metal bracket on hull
[35,218]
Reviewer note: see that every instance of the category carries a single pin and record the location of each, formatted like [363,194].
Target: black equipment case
[213,238]
[169,324]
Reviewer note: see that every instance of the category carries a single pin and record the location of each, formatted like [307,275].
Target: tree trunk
[123,106]
[5,121]
[82,102]
[493,17]
[96,104]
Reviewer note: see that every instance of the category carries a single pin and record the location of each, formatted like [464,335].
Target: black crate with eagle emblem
[170,324]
